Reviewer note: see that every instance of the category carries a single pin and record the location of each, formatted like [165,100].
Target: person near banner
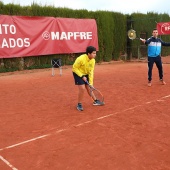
[83,70]
[154,55]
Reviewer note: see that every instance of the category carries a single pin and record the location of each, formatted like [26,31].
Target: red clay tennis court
[40,128]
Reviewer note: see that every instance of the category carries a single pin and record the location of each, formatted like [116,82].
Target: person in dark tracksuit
[154,55]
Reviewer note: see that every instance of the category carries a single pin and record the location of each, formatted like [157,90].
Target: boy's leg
[80,97]
[81,89]
[88,91]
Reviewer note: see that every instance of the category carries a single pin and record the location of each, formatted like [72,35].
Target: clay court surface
[40,128]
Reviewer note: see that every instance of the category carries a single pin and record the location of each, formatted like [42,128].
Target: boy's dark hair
[154,29]
[90,49]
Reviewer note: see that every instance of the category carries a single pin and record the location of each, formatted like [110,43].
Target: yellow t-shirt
[84,66]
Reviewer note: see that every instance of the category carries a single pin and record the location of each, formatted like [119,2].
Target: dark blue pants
[158,62]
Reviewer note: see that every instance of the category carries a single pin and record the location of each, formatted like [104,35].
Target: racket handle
[89,84]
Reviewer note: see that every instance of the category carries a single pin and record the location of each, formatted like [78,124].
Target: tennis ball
[131,33]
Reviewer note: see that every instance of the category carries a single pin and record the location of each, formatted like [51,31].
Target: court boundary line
[78,125]
[8,163]
[81,124]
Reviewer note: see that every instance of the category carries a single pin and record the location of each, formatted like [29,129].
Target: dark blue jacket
[154,46]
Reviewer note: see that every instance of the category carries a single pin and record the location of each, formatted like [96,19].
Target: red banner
[163,28]
[22,36]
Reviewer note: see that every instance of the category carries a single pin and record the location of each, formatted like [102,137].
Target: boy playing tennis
[83,70]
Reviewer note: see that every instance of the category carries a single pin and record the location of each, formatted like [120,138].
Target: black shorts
[78,80]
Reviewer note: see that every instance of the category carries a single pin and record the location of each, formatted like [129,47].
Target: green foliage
[144,24]
[10,64]
[119,35]
[112,30]
[3,70]
[106,24]
[111,35]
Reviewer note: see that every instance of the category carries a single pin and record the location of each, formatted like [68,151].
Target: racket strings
[98,95]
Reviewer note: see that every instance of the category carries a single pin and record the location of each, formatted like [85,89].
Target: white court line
[5,161]
[39,137]
[131,108]
[160,100]
[165,96]
[107,116]
[81,124]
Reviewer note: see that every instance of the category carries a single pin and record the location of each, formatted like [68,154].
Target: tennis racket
[132,35]
[95,93]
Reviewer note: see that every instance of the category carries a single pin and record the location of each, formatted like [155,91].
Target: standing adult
[154,55]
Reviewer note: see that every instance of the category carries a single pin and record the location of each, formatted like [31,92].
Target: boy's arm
[91,74]
[77,64]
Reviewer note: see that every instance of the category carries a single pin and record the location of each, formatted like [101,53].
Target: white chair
[56,63]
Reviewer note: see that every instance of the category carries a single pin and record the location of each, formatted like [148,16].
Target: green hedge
[112,33]
[144,24]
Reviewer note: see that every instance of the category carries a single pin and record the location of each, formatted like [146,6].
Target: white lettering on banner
[6,29]
[46,35]
[12,43]
[4,43]
[69,35]
[63,36]
[167,28]
[89,35]
[76,34]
